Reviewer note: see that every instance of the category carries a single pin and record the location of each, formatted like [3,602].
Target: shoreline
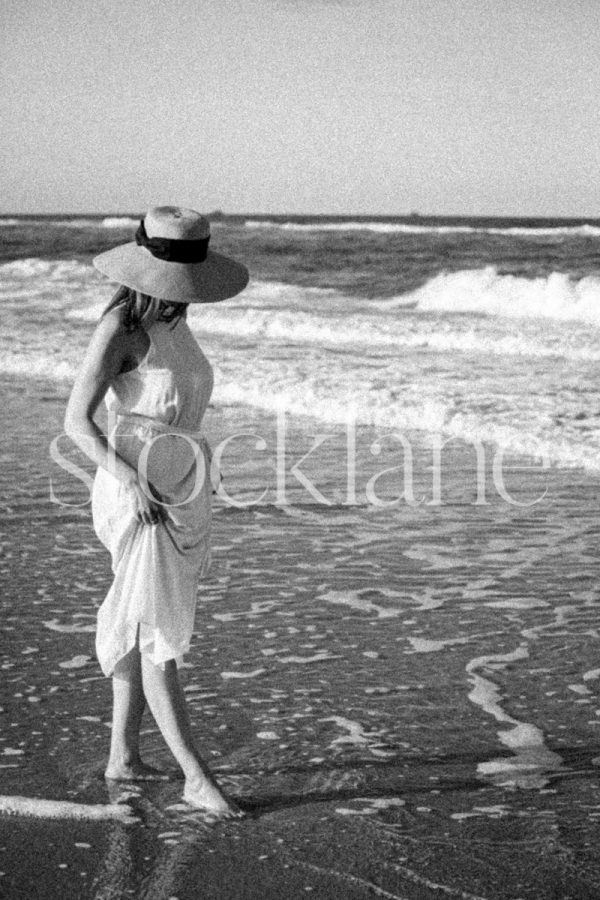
[261,450]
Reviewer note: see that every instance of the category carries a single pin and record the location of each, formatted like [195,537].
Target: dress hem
[108,664]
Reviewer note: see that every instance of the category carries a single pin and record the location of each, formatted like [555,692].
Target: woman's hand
[147,510]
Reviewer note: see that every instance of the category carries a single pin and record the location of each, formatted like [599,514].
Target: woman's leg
[168,706]
[128,707]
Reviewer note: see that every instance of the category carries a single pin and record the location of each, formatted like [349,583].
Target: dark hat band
[171,250]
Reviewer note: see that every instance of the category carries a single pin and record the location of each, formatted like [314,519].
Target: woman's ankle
[123,756]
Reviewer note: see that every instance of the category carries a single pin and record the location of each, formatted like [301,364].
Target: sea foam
[38,808]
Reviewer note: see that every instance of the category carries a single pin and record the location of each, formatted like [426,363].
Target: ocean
[481,329]
[401,692]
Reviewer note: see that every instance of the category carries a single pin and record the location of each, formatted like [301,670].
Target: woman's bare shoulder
[111,332]
[110,343]
[112,323]
[116,347]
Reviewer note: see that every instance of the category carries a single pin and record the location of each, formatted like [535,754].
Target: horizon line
[219,213]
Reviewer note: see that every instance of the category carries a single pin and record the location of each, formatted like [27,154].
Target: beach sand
[404,699]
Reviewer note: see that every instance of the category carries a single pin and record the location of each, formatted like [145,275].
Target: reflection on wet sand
[403,700]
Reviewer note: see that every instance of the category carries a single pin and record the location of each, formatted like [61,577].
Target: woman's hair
[142,309]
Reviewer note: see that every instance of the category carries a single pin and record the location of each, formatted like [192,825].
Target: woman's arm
[109,348]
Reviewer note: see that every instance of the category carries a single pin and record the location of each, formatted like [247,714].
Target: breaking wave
[119,222]
[585,230]
[484,291]
[455,356]
[487,292]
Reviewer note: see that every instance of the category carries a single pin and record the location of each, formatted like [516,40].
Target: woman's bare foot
[135,770]
[205,794]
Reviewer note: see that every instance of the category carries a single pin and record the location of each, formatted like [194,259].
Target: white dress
[156,410]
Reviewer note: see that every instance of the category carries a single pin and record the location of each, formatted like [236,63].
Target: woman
[151,498]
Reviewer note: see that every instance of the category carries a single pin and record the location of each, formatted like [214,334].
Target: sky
[449,107]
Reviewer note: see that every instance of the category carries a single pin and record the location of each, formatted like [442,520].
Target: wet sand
[404,699]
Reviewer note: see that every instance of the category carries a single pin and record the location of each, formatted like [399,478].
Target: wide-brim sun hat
[170,260]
